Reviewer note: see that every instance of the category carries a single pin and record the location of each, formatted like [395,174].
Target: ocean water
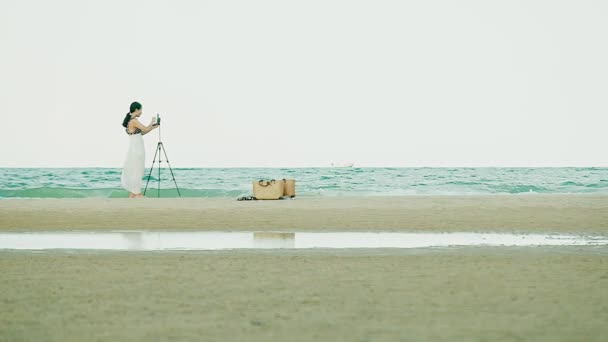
[348,181]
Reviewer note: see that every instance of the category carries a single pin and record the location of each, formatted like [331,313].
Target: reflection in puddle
[154,241]
[274,240]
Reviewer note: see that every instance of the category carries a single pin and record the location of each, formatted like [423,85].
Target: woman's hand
[153,121]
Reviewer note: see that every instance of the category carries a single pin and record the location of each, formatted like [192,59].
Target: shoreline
[586,213]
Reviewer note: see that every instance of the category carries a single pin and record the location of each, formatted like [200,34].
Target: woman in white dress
[134,165]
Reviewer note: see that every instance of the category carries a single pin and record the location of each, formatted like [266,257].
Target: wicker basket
[268,189]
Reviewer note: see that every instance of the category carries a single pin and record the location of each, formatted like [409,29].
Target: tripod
[160,146]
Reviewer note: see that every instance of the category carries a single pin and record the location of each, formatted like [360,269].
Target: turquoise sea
[348,181]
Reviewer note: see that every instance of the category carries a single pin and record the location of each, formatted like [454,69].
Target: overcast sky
[306,83]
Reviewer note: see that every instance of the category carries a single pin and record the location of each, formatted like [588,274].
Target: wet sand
[510,213]
[472,294]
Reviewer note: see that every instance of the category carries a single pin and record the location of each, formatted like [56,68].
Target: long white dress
[133,169]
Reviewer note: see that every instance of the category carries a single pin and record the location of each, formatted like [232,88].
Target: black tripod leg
[160,160]
[172,175]
[150,173]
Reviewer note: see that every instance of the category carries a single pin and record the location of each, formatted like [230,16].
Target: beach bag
[290,188]
[268,189]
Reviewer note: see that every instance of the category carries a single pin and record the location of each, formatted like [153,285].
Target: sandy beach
[456,294]
[518,213]
[473,293]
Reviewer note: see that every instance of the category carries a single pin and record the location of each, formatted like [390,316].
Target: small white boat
[342,164]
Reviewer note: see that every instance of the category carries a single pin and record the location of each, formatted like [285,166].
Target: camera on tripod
[157,120]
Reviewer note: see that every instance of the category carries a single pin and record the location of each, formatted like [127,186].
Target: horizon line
[315,167]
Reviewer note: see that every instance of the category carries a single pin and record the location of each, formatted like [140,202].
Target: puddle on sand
[156,241]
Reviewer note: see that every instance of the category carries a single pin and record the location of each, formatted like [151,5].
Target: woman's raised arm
[145,129]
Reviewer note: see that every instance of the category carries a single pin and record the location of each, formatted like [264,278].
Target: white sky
[306,83]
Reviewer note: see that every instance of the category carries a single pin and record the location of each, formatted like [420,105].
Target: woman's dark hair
[134,106]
